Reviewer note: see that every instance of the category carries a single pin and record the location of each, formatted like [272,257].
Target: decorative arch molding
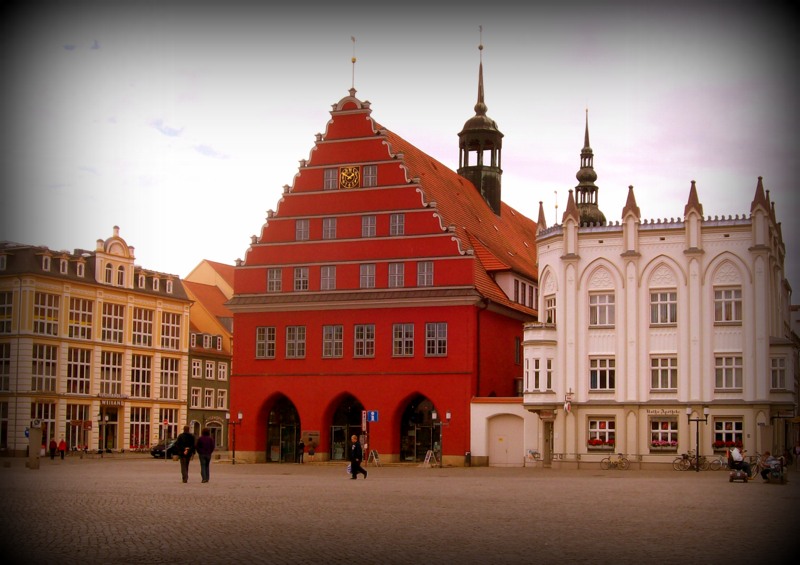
[334,403]
[727,268]
[593,273]
[549,282]
[659,268]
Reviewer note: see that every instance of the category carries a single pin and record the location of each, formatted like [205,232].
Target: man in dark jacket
[185,449]
[356,456]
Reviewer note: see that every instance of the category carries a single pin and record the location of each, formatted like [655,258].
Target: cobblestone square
[127,509]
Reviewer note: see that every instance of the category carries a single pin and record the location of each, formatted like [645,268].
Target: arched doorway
[417,432]
[346,422]
[283,431]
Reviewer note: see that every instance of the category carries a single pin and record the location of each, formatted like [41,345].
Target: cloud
[209,152]
[165,129]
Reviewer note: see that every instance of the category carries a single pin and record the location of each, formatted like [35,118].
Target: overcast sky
[180,122]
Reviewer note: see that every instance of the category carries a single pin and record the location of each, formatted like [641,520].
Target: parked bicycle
[617,461]
[718,463]
[688,462]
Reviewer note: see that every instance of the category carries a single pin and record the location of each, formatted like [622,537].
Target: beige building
[93,348]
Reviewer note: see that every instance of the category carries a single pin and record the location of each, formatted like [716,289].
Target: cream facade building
[93,348]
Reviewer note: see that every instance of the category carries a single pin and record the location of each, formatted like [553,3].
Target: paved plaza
[128,509]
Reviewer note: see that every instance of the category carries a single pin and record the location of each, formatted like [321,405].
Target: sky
[180,122]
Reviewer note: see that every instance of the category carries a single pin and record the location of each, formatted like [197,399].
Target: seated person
[770,463]
[736,460]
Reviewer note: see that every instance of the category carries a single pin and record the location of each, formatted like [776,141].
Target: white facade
[642,320]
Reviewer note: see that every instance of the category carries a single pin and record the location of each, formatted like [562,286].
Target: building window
[170,330]
[550,309]
[5,366]
[397,224]
[332,341]
[370,176]
[142,280]
[778,373]
[516,290]
[45,262]
[192,339]
[218,341]
[155,283]
[77,414]
[301,278]
[728,305]
[113,322]
[141,375]
[265,343]
[169,287]
[536,375]
[46,412]
[295,342]
[396,275]
[328,228]
[222,371]
[208,398]
[367,275]
[663,434]
[728,372]
[195,397]
[403,340]
[663,373]
[601,310]
[63,266]
[222,399]
[79,370]
[364,341]
[109,273]
[368,226]
[3,262]
[45,313]
[142,327]
[171,417]
[728,433]
[330,179]
[210,370]
[206,341]
[197,369]
[44,364]
[140,427]
[301,231]
[80,318]
[170,378]
[120,276]
[327,277]
[425,273]
[602,375]
[6,311]
[273,280]
[111,373]
[663,308]
[436,339]
[548,384]
[602,433]
[80,268]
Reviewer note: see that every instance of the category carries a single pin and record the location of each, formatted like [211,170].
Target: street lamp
[103,421]
[233,425]
[704,419]
[446,422]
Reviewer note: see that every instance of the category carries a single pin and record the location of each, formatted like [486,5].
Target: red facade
[383,283]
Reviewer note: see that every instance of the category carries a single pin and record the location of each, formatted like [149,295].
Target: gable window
[330,179]
[109,273]
[328,228]
[265,342]
[602,373]
[327,277]
[778,373]
[332,341]
[403,340]
[273,280]
[364,340]
[206,341]
[301,278]
[295,342]
[301,230]
[436,339]
[664,373]
[368,226]
[728,305]
[219,343]
[367,276]
[370,176]
[663,308]
[601,310]
[121,276]
[396,275]
[728,372]
[193,340]
[425,273]
[397,224]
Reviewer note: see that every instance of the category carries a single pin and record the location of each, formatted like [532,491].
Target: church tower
[586,190]
[480,144]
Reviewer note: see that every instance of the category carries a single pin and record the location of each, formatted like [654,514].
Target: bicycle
[719,463]
[615,462]
[688,462]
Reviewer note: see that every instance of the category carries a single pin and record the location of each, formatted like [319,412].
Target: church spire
[478,139]
[586,190]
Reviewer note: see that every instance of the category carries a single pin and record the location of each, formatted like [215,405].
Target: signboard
[372,415]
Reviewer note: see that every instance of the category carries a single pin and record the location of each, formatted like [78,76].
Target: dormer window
[109,273]
[169,287]
[45,262]
[206,341]
[63,266]
[142,281]
[3,262]
[155,283]
[193,340]
[219,343]
[121,276]
[80,269]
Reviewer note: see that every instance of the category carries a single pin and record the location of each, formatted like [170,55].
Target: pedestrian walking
[205,447]
[53,447]
[356,456]
[301,448]
[185,448]
[62,448]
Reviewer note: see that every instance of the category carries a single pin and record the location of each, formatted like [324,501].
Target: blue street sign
[372,415]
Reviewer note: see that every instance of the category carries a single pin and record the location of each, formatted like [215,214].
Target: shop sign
[663,411]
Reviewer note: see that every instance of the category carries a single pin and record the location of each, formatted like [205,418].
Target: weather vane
[556,194]
[353,60]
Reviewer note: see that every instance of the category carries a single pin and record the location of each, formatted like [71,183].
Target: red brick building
[384,282]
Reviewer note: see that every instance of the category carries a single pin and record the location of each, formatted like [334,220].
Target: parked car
[157,450]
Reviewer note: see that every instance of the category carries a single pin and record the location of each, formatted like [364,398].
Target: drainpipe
[484,304]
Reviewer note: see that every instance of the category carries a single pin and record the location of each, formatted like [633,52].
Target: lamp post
[704,419]
[103,421]
[233,425]
[441,424]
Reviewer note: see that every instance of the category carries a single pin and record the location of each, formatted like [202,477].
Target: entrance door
[289,441]
[417,432]
[283,431]
[346,422]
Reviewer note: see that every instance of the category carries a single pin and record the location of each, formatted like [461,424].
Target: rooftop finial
[480,45]
[480,106]
[353,60]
